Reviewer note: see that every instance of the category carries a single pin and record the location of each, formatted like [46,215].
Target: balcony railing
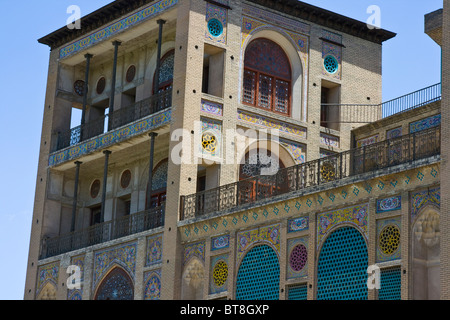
[370,158]
[103,232]
[366,113]
[118,118]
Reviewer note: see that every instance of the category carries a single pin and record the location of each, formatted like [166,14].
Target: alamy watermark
[374,20]
[74,20]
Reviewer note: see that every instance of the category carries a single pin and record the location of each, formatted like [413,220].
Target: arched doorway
[117,285]
[342,266]
[258,277]
[258,173]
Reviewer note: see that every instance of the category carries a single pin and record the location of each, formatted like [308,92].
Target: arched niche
[425,255]
[193,280]
[116,285]
[48,292]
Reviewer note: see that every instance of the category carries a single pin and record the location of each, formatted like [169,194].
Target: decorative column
[85,92]
[105,177]
[148,200]
[116,45]
[158,56]
[75,195]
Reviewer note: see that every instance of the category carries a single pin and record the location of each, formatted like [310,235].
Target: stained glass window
[116,286]
[267,76]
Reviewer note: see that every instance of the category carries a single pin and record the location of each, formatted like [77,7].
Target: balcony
[393,152]
[367,113]
[117,119]
[103,232]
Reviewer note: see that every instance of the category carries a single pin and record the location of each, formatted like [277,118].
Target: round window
[209,142]
[389,240]
[220,273]
[331,64]
[298,258]
[215,27]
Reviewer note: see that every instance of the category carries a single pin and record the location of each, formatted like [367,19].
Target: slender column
[75,195]
[85,91]
[105,177]
[150,170]
[116,45]
[158,56]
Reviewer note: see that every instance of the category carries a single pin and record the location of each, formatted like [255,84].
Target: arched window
[159,184]
[165,78]
[165,81]
[258,175]
[267,77]
[116,286]
[258,276]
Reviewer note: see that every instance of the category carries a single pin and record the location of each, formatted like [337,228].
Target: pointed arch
[116,285]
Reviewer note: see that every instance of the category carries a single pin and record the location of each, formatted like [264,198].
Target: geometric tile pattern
[388,239]
[47,273]
[109,138]
[152,287]
[342,266]
[154,250]
[123,255]
[356,216]
[268,234]
[117,27]
[258,276]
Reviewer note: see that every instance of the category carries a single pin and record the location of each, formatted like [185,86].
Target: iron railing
[103,232]
[367,113]
[116,119]
[357,161]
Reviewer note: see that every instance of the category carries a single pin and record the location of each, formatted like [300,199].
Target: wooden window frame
[273,92]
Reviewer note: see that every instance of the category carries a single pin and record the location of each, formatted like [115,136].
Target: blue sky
[411,61]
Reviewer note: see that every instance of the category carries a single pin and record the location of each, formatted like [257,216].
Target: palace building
[225,149]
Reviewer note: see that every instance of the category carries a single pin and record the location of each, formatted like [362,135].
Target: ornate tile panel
[218,281]
[388,239]
[220,242]
[110,138]
[394,133]
[297,256]
[123,255]
[298,224]
[423,124]
[297,150]
[194,250]
[270,123]
[422,198]
[77,294]
[152,285]
[211,107]
[268,234]
[47,273]
[219,14]
[154,250]
[117,27]
[329,140]
[367,141]
[356,216]
[389,204]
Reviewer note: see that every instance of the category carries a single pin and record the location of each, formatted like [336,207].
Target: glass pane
[282,96]
[249,87]
[265,92]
